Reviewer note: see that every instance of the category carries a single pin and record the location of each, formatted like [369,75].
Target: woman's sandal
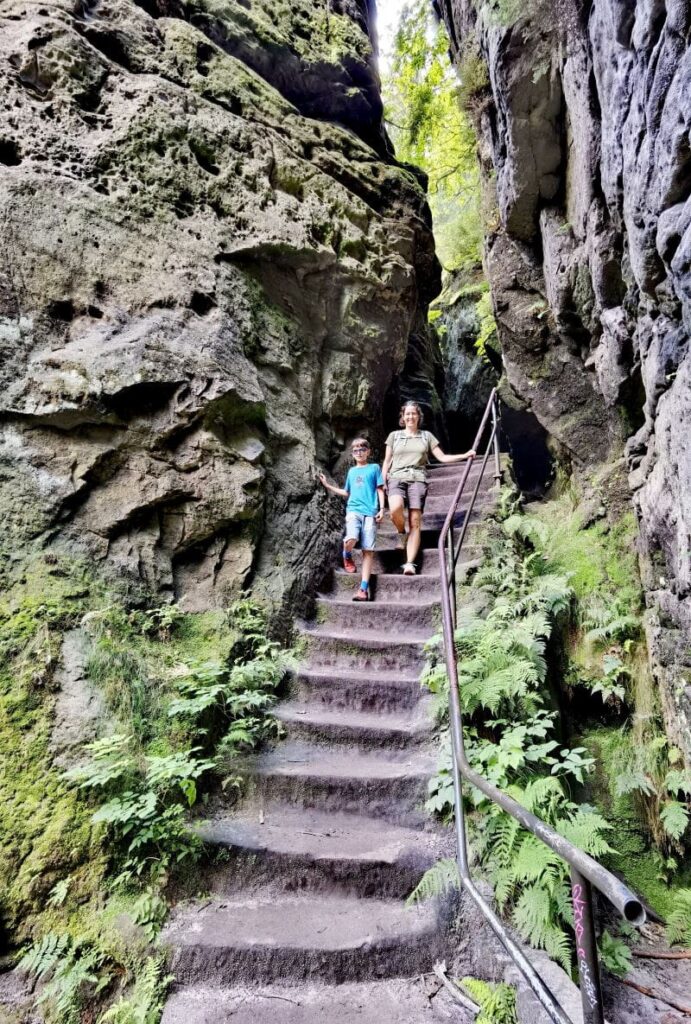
[409,569]
[361,595]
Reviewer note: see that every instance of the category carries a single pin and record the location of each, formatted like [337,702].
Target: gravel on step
[269,935]
[394,1001]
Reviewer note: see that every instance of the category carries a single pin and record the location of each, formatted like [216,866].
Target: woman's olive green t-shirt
[410,454]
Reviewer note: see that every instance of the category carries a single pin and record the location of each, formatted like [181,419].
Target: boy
[364,489]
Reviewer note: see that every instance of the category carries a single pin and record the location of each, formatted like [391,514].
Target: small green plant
[654,775]
[144,1004]
[69,970]
[679,923]
[145,815]
[497,1002]
[615,955]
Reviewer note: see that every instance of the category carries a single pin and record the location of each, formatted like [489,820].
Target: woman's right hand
[322,479]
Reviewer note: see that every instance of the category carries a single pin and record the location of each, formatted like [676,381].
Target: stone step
[343,648]
[447,485]
[392,786]
[388,560]
[379,616]
[392,1001]
[319,723]
[357,689]
[299,849]
[291,938]
[393,586]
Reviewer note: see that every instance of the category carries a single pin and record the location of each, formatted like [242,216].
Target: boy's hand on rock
[322,479]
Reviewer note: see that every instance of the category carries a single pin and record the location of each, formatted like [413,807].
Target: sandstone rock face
[585,127]
[210,271]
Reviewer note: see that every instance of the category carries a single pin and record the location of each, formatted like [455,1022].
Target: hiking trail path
[306,920]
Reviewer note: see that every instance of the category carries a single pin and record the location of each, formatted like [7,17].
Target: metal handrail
[585,870]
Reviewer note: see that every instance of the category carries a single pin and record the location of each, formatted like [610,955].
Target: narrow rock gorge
[583,119]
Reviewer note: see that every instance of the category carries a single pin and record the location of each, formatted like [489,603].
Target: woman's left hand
[379,516]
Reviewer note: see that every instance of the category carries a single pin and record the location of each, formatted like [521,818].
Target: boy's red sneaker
[349,564]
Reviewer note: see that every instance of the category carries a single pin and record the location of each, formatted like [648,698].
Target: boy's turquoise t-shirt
[361,485]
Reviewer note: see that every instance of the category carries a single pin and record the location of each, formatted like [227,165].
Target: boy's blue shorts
[362,528]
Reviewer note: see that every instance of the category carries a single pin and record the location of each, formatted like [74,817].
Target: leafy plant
[430,128]
[69,970]
[510,738]
[436,881]
[144,1003]
[679,923]
[652,775]
[615,955]
[497,1002]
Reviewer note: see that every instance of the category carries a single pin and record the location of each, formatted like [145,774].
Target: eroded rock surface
[209,275]
[584,128]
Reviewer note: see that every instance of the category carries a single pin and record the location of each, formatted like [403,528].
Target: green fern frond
[679,922]
[440,878]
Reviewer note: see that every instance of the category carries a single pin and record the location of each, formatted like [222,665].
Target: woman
[405,475]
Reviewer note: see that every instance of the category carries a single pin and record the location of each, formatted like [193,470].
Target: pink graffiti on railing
[579,909]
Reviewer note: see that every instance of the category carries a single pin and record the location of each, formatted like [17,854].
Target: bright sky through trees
[429,126]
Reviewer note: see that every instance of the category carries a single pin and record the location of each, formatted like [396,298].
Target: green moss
[635,859]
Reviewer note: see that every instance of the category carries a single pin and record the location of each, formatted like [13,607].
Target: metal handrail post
[585,870]
[586,949]
[495,427]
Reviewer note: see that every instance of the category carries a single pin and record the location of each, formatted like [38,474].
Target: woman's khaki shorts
[413,493]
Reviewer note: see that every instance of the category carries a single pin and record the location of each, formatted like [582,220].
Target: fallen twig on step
[453,990]
[663,954]
[682,1007]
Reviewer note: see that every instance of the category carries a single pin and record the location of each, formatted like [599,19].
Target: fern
[436,881]
[679,922]
[69,971]
[42,958]
[497,1002]
[144,1003]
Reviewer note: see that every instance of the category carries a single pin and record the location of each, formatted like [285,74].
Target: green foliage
[430,129]
[510,735]
[497,1002]
[679,923]
[438,879]
[144,1004]
[145,812]
[649,772]
[615,955]
[488,325]
[69,972]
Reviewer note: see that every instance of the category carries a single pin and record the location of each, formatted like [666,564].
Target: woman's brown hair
[411,405]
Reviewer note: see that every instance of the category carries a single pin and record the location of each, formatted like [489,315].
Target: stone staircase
[306,920]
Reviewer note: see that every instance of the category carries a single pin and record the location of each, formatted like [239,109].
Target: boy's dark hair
[411,405]
[362,439]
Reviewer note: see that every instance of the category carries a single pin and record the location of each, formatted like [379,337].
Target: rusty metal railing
[585,870]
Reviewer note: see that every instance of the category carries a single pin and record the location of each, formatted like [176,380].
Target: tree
[429,128]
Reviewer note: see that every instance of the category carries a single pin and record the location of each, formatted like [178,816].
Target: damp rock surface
[211,269]
[584,131]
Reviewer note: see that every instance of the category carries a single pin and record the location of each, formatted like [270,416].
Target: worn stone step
[365,616]
[291,938]
[393,586]
[388,651]
[361,690]
[298,849]
[319,723]
[389,560]
[393,787]
[392,1001]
